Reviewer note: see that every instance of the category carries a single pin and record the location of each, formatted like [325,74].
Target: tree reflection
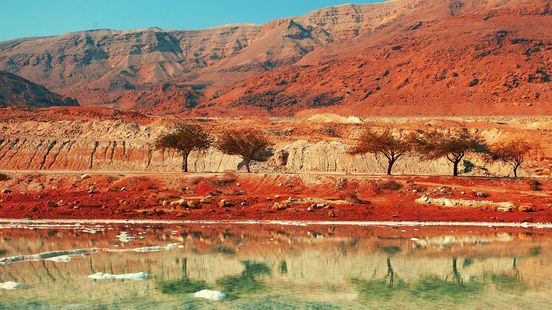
[509,280]
[247,282]
[378,289]
[433,288]
[184,285]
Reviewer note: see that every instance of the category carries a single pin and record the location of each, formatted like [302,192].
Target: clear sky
[29,18]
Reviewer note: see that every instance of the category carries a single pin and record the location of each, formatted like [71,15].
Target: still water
[273,267]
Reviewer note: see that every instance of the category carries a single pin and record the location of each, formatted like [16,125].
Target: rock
[279,206]
[318,206]
[193,204]
[332,213]
[210,295]
[223,203]
[6,191]
[91,189]
[526,208]
[179,202]
[165,203]
[504,209]
[51,204]
[310,209]
[85,176]
[123,189]
[425,200]
[277,196]
[481,195]
[61,203]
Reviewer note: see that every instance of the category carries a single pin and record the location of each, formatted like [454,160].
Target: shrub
[390,186]
[535,185]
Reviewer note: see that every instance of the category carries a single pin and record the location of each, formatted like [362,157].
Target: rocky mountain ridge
[16,91]
[420,57]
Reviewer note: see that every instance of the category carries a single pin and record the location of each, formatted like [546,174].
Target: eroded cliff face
[123,146]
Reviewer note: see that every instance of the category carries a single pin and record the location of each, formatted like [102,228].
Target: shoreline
[79,222]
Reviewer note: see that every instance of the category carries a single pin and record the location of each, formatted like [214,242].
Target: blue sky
[29,18]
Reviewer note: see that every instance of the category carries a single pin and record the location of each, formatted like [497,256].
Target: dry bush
[391,185]
[535,185]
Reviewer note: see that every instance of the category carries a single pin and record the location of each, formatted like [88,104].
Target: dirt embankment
[275,196]
[101,142]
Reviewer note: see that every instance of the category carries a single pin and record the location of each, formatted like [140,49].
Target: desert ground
[98,163]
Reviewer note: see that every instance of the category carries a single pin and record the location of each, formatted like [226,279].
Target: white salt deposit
[60,259]
[130,276]
[10,285]
[211,295]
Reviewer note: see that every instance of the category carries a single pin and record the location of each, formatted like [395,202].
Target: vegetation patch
[182,286]
[433,288]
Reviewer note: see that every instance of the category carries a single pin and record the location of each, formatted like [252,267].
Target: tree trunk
[515,170]
[390,164]
[247,164]
[185,161]
[455,171]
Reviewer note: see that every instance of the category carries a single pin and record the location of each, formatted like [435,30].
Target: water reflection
[276,267]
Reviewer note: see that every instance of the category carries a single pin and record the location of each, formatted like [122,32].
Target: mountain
[97,66]
[399,57]
[442,58]
[16,91]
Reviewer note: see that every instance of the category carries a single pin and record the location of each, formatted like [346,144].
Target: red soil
[251,197]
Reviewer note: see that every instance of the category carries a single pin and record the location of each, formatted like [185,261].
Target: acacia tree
[454,146]
[245,143]
[513,153]
[386,144]
[185,139]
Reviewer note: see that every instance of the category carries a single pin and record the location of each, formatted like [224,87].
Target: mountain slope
[94,65]
[446,57]
[411,57]
[16,91]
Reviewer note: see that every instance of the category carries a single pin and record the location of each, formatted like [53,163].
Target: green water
[278,267]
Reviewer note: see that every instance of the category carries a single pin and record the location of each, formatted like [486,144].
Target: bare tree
[454,146]
[246,143]
[185,139]
[392,147]
[513,153]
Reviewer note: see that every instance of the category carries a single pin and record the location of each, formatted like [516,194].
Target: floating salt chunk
[130,276]
[10,285]
[125,237]
[415,239]
[209,294]
[60,259]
